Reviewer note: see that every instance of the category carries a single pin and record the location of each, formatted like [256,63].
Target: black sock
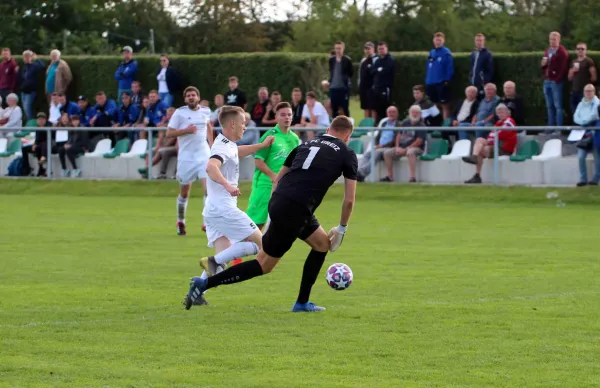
[312,266]
[237,273]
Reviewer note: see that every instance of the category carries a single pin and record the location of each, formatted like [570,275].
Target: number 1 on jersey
[310,157]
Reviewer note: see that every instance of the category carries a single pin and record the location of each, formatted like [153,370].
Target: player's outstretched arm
[244,151]
[210,134]
[336,234]
[214,173]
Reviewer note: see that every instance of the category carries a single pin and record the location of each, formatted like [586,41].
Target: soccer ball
[339,276]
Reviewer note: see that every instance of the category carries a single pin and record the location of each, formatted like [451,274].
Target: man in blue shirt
[105,114]
[69,107]
[128,115]
[157,111]
[485,113]
[86,112]
[126,71]
[440,71]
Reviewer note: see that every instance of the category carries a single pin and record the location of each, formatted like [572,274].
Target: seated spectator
[314,115]
[514,102]
[161,142]
[429,111]
[40,146]
[485,113]
[484,148]
[157,111]
[127,116]
[86,112]
[141,120]
[61,136]
[105,114]
[297,106]
[587,115]
[78,143]
[269,117]
[466,109]
[384,140]
[137,95]
[12,115]
[69,107]
[250,136]
[214,116]
[407,143]
[258,110]
[54,111]
[41,137]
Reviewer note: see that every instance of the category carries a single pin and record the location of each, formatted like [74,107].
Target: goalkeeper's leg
[319,242]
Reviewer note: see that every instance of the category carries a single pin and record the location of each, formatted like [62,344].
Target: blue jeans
[553,93]
[462,135]
[167,98]
[28,100]
[581,155]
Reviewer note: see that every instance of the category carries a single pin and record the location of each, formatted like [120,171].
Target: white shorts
[189,172]
[236,226]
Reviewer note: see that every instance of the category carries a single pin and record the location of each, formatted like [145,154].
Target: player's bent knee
[267,263]
[319,241]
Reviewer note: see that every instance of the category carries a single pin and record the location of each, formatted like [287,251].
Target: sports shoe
[199,302]
[209,264]
[181,229]
[204,228]
[197,288]
[308,307]
[64,173]
[76,173]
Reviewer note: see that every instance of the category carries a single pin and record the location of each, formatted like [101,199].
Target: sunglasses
[580,48]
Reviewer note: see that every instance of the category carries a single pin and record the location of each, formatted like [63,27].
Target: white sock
[181,208]
[240,249]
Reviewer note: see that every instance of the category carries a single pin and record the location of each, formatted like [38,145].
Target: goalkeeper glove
[336,236]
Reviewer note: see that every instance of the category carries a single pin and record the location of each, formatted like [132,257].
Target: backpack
[14,168]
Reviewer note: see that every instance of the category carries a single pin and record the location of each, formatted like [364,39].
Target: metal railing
[370,132]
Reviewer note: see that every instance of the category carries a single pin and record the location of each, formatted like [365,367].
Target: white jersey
[218,201]
[192,148]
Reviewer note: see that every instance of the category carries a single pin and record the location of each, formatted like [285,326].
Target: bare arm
[210,134]
[246,150]
[214,173]
[593,74]
[262,167]
[348,203]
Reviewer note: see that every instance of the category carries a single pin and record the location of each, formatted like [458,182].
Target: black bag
[586,143]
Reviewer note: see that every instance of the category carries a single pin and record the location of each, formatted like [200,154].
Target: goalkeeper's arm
[336,235]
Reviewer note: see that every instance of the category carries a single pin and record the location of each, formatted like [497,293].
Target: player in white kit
[229,230]
[191,125]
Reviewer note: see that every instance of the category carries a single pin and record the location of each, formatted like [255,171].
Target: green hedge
[284,71]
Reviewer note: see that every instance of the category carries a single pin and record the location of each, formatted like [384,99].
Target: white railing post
[49,154]
[372,150]
[150,146]
[496,160]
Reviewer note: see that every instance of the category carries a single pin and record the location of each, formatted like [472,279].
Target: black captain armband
[219,158]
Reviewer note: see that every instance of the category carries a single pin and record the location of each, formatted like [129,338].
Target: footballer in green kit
[269,161]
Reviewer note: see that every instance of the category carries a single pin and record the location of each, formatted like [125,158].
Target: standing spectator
[485,113]
[514,102]
[58,75]
[383,71]
[86,112]
[582,72]
[137,95]
[235,96]
[78,143]
[365,80]
[555,66]
[54,111]
[269,117]
[259,109]
[126,71]
[28,76]
[430,114]
[128,115]
[440,71]
[297,106]
[105,114]
[314,115]
[587,115]
[168,81]
[157,111]
[9,71]
[69,107]
[12,116]
[340,80]
[481,71]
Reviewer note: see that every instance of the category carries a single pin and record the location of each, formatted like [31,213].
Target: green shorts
[258,205]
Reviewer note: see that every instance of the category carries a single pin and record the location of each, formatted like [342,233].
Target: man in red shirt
[484,148]
[9,71]
[555,66]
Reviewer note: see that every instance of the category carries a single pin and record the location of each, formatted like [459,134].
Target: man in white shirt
[314,115]
[228,229]
[191,125]
[54,113]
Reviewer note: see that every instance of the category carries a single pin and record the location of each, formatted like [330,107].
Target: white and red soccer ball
[339,276]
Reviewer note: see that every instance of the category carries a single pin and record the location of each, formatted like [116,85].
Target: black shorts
[366,99]
[439,93]
[289,221]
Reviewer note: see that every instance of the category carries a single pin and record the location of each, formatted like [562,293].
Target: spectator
[205,103]
[12,116]
[484,148]
[297,106]
[28,78]
[582,72]
[514,102]
[235,96]
[327,106]
[69,107]
[141,120]
[555,65]
[39,148]
[587,115]
[407,143]
[340,80]
[157,111]
[214,116]
[365,80]
[163,145]
[86,112]
[481,71]
[467,109]
[383,72]
[314,115]
[485,113]
[137,95]
[77,144]
[126,71]
[9,73]
[383,141]
[269,117]
[105,114]
[61,136]
[430,113]
[54,110]
[250,136]
[259,109]
[168,81]
[440,71]
[127,116]
[58,75]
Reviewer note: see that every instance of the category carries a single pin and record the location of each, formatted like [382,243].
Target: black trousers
[71,153]
[381,101]
[3,94]
[340,98]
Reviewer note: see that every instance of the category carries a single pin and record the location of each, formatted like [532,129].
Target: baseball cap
[81,98]
[41,115]
[369,45]
[128,49]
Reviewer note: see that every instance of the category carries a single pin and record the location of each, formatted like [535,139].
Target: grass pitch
[454,287]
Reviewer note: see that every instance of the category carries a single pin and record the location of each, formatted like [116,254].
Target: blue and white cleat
[197,288]
[308,307]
